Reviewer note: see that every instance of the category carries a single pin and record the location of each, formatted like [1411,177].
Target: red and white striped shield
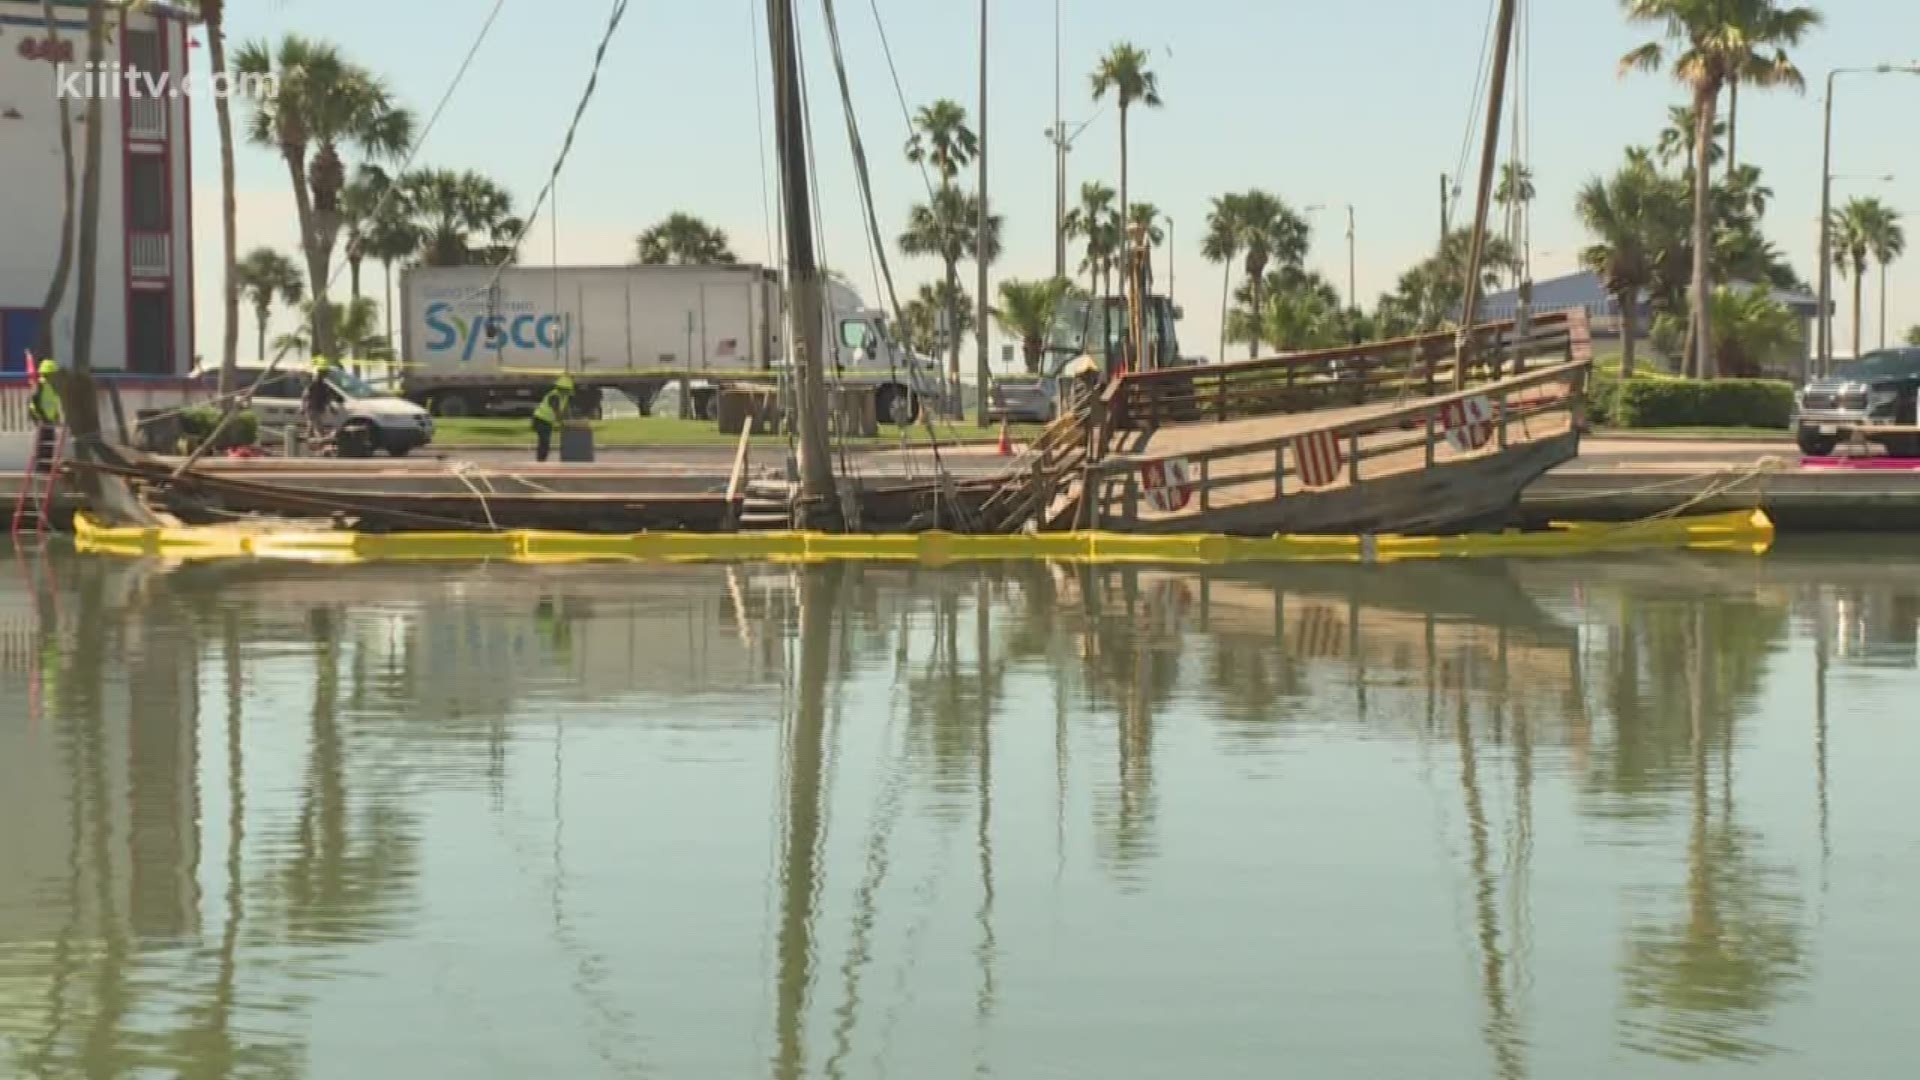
[1318,457]
[1469,423]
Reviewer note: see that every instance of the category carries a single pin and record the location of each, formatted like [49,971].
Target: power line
[614,17]
[486,27]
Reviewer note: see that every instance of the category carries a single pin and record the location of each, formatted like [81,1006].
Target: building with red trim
[143,306]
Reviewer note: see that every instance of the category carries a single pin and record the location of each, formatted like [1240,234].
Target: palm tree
[1514,193]
[683,240]
[368,193]
[1719,41]
[1269,230]
[1888,239]
[356,327]
[1093,222]
[89,240]
[1632,218]
[945,229]
[922,315]
[941,138]
[464,218]
[63,262]
[1757,332]
[1026,312]
[1852,231]
[319,103]
[1776,27]
[1222,245]
[264,276]
[1124,73]
[390,235]
[1676,139]
[1143,219]
[214,14]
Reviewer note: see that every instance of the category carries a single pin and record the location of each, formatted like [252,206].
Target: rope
[614,18]
[486,27]
[906,111]
[464,471]
[760,127]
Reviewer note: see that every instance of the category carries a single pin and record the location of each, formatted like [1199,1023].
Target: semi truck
[479,342]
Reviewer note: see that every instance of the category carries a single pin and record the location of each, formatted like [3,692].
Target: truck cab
[1088,338]
[1872,399]
[863,352]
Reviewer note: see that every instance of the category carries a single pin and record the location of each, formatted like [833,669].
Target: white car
[366,420]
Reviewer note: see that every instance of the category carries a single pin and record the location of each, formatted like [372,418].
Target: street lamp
[1062,141]
[1352,292]
[1826,203]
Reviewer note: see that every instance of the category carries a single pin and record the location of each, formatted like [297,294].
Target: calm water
[1644,817]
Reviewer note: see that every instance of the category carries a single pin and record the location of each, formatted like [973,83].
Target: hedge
[1657,403]
[198,422]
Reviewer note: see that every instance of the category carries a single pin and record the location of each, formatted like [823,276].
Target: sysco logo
[469,334]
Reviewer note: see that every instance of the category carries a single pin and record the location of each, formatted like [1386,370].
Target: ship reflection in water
[1553,819]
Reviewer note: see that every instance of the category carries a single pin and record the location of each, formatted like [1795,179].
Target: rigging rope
[486,27]
[906,111]
[1477,101]
[614,18]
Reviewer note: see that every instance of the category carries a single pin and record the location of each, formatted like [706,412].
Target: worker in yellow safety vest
[45,410]
[552,410]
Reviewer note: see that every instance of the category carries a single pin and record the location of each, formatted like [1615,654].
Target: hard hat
[48,367]
[564,382]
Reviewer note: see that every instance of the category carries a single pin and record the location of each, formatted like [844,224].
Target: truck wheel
[399,448]
[355,440]
[453,405]
[706,405]
[1813,444]
[897,405]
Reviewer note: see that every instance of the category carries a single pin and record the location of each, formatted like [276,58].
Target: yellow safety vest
[44,405]
[553,406]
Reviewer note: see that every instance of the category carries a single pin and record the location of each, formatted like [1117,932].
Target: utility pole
[1446,226]
[1353,292]
[1059,138]
[982,328]
[1489,160]
[820,496]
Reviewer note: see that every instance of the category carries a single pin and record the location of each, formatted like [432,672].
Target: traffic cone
[1006,439]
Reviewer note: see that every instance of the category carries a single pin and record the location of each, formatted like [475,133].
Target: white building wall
[31,201]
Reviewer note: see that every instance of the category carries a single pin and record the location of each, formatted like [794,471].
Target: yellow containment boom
[1746,532]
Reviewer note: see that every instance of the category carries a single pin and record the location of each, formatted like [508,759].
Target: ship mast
[819,494]
[1489,161]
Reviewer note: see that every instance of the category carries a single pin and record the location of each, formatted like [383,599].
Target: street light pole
[1058,138]
[1825,314]
[981,326]
[1353,297]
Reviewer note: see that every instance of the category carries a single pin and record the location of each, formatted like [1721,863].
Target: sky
[1319,103]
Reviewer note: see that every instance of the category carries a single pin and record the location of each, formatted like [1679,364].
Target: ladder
[33,504]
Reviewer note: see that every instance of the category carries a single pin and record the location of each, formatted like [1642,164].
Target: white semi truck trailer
[477,345]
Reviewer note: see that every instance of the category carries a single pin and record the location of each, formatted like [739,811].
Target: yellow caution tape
[1744,532]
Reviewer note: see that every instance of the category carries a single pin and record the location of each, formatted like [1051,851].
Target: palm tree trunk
[262,314]
[1705,103]
[1253,322]
[63,264]
[353,275]
[1883,305]
[89,255]
[1126,244]
[214,11]
[1629,329]
[321,335]
[1226,292]
[386,268]
[1733,125]
[1859,289]
[953,327]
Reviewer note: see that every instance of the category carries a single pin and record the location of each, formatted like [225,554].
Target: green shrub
[1657,403]
[200,421]
[1603,389]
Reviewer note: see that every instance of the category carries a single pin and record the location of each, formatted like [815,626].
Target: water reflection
[1006,807]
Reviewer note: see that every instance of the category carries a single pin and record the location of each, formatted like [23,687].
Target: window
[855,334]
[144,51]
[282,387]
[150,321]
[1891,364]
[147,193]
